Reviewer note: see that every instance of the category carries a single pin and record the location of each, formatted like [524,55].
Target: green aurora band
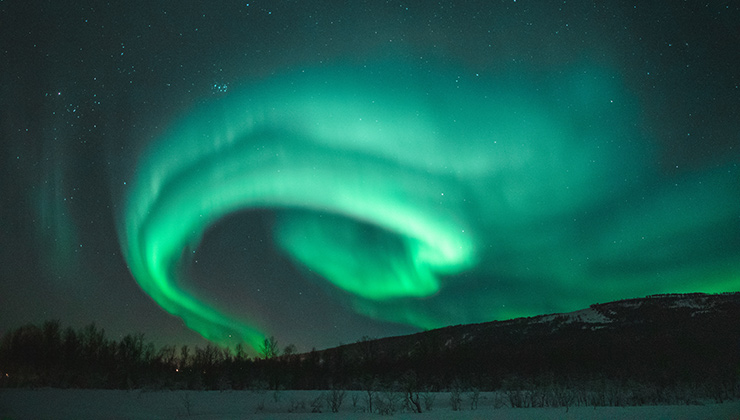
[431,196]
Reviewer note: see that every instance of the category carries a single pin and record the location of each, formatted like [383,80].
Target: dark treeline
[52,356]
[655,344]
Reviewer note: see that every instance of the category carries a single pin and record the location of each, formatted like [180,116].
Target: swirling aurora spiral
[441,165]
[240,155]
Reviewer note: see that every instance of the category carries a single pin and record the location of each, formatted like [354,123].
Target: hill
[663,339]
[663,349]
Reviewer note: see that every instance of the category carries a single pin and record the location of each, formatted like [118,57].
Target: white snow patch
[111,404]
[691,303]
[588,315]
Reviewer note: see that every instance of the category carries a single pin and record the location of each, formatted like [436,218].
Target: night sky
[324,171]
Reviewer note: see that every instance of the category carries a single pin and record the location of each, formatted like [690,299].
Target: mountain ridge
[601,314]
[660,339]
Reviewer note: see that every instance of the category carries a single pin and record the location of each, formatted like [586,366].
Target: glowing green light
[423,197]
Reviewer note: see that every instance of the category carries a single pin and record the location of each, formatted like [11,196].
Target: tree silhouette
[289,350]
[269,348]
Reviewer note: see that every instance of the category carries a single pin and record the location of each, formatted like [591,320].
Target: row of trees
[49,355]
[699,355]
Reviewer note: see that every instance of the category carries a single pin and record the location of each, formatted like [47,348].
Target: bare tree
[369,387]
[184,357]
[270,348]
[335,398]
[410,386]
[290,350]
[240,354]
[168,356]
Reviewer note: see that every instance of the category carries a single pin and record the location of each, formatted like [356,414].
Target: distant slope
[667,349]
[662,339]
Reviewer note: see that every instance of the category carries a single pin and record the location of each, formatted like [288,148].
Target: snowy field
[103,404]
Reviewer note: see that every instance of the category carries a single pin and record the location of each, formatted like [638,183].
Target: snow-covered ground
[102,404]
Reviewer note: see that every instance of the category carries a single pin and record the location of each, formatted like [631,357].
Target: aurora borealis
[324,194]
